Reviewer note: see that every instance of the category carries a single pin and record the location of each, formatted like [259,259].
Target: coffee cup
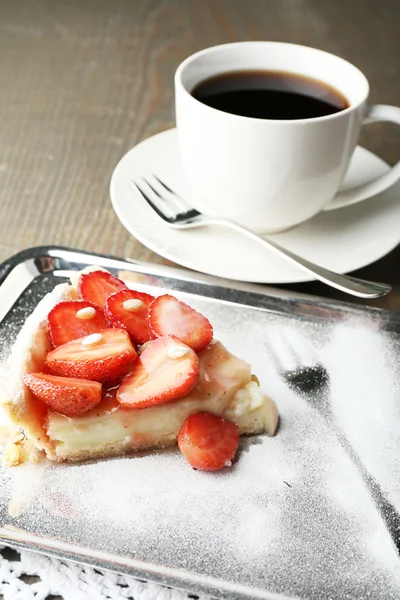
[270,170]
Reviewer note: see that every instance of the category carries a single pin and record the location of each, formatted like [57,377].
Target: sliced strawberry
[98,285]
[166,370]
[106,357]
[208,442]
[71,320]
[169,316]
[130,310]
[66,395]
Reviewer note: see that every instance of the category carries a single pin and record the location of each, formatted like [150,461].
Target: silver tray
[311,513]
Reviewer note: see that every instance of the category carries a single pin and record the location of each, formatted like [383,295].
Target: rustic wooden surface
[85,80]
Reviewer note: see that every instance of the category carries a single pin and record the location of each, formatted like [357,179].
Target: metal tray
[311,513]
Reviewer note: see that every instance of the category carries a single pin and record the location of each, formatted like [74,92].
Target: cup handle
[377,112]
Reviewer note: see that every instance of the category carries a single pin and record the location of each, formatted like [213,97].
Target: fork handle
[345,283]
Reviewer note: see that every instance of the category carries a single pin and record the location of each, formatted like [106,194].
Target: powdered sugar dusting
[292,515]
[367,371]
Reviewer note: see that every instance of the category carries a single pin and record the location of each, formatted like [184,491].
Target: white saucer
[342,240]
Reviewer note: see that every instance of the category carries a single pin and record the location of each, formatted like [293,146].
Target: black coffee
[270,95]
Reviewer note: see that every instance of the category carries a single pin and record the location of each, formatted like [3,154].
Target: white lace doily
[26,575]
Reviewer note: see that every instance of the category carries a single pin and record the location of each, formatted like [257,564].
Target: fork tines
[163,200]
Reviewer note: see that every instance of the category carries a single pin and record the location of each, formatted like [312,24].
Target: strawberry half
[166,370]
[130,310]
[71,320]
[208,442]
[97,286]
[106,357]
[68,396]
[170,316]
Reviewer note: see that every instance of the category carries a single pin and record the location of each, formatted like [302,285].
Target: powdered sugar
[367,373]
[291,516]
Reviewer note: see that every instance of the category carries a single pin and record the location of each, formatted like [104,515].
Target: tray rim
[298,300]
[160,574]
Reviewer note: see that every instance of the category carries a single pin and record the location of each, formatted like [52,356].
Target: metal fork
[298,364]
[175,211]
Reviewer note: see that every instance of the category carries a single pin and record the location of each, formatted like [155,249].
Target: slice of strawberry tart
[99,370]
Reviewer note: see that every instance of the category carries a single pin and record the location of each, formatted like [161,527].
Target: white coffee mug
[267,174]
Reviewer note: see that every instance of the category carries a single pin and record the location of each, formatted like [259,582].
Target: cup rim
[184,64]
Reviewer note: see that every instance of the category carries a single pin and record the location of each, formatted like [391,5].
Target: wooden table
[85,80]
